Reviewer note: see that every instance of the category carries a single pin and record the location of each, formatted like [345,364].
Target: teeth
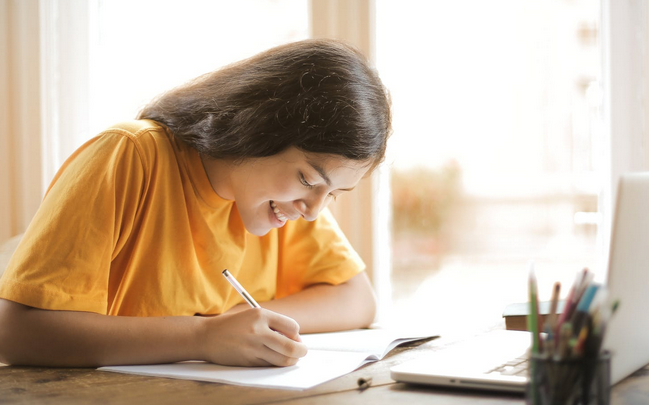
[277,212]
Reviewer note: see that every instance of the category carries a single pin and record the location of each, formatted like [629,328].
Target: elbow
[366,306]
[8,350]
[9,339]
[5,339]
[3,356]
[370,309]
[4,359]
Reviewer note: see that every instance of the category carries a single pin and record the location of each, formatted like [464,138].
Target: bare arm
[30,336]
[327,308]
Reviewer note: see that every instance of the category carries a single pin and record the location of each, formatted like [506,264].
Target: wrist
[198,338]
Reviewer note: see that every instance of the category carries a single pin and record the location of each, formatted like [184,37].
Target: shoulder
[126,147]
[151,140]
[140,132]
[136,128]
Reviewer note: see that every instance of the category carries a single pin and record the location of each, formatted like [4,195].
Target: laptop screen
[627,334]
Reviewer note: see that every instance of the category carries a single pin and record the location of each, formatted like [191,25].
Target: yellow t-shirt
[131,226]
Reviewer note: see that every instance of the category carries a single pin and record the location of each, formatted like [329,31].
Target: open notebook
[330,355]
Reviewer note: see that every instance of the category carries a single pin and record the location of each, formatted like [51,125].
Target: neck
[219,172]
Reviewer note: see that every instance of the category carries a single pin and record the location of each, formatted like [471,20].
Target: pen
[581,313]
[579,293]
[568,306]
[562,348]
[533,326]
[240,289]
[551,321]
[578,349]
[549,342]
[533,317]
[364,383]
[602,318]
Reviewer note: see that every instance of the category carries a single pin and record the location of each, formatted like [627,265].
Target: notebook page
[373,342]
[315,368]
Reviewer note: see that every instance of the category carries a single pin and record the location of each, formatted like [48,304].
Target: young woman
[122,263]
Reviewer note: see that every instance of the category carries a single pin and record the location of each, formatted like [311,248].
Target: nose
[310,208]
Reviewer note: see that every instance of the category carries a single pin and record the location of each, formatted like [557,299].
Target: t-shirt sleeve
[313,253]
[63,261]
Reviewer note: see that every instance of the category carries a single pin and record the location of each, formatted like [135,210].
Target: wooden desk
[30,385]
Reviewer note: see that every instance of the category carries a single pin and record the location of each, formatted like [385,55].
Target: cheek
[284,191]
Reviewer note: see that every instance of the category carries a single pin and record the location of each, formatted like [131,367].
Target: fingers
[284,325]
[284,342]
[286,347]
[255,337]
[275,358]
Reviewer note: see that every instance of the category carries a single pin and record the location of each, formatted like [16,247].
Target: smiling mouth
[278,214]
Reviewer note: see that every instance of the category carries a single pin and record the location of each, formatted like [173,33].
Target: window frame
[625,72]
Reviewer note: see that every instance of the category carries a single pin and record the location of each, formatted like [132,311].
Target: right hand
[254,337]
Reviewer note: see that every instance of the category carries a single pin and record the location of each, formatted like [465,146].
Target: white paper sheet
[330,355]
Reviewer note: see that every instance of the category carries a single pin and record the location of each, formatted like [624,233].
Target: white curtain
[21,181]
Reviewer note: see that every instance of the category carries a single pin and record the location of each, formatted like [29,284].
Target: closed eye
[305,183]
[310,186]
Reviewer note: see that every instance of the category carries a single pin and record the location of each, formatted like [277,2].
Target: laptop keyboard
[517,366]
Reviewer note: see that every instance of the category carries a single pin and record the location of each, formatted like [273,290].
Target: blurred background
[504,114]
[496,155]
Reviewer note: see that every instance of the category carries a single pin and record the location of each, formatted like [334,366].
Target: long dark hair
[320,96]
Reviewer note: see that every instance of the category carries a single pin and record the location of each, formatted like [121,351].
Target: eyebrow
[324,176]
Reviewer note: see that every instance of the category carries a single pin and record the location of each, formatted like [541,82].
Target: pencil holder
[578,381]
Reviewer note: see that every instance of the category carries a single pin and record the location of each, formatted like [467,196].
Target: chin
[259,231]
[260,223]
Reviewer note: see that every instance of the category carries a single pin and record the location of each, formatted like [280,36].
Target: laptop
[496,360]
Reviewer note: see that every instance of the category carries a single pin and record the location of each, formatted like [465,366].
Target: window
[103,60]
[139,52]
[496,156]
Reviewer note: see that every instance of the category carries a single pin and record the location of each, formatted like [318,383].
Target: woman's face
[292,184]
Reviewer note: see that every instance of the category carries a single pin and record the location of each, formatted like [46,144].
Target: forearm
[326,308]
[81,339]
[30,336]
